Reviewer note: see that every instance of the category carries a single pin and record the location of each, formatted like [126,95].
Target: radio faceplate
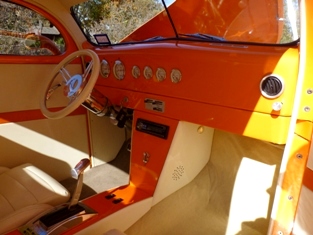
[152,128]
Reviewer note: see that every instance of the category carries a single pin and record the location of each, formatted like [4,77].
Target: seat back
[26,191]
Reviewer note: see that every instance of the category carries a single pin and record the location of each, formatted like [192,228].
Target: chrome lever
[77,173]
[80,167]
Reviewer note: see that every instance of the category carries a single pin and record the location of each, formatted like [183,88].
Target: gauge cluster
[158,74]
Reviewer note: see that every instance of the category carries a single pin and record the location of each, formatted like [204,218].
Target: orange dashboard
[211,84]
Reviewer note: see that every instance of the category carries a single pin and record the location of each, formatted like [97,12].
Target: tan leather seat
[114,232]
[25,192]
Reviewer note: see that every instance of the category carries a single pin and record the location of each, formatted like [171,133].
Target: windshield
[249,21]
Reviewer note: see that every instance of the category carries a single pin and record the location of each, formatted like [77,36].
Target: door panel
[30,49]
[22,83]
[26,135]
[54,146]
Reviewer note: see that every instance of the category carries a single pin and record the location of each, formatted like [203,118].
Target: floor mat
[105,176]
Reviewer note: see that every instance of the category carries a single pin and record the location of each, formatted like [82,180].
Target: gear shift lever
[77,173]
[55,220]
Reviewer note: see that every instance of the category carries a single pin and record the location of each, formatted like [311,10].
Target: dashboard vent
[271,86]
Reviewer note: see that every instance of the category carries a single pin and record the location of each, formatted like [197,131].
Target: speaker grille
[271,86]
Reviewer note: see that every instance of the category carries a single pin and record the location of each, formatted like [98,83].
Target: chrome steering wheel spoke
[65,74]
[87,70]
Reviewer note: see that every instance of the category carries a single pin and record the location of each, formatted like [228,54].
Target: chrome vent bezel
[276,84]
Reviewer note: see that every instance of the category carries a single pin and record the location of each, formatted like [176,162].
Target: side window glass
[25,32]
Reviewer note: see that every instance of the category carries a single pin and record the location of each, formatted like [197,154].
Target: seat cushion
[3,169]
[26,185]
[22,216]
[114,232]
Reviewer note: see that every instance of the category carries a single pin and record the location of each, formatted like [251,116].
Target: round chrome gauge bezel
[160,74]
[119,70]
[176,76]
[147,72]
[105,69]
[136,71]
[278,79]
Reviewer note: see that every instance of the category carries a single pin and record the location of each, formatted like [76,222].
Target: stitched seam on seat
[7,201]
[23,186]
[47,183]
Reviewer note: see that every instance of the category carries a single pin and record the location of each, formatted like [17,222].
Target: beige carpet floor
[105,176]
[232,195]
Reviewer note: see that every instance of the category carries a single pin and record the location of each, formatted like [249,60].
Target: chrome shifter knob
[80,167]
[78,172]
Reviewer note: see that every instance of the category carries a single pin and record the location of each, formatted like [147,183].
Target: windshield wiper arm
[202,36]
[170,18]
[156,38]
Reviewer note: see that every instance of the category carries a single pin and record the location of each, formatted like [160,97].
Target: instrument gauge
[160,74]
[105,69]
[135,71]
[147,72]
[119,70]
[176,76]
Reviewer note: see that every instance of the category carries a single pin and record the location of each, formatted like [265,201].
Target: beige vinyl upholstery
[26,192]
[114,232]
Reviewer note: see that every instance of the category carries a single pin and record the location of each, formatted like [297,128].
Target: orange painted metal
[304,129]
[29,115]
[220,84]
[296,172]
[257,125]
[105,207]
[226,19]
[236,106]
[306,109]
[308,178]
[290,186]
[143,176]
[15,232]
[217,74]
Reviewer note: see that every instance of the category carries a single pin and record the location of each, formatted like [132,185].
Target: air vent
[271,86]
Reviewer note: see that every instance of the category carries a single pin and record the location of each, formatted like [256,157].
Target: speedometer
[160,74]
[176,76]
[147,72]
[105,69]
[136,71]
[119,70]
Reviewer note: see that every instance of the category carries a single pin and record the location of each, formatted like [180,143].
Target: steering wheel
[69,89]
[43,42]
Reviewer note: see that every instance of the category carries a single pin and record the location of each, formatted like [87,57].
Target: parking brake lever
[77,173]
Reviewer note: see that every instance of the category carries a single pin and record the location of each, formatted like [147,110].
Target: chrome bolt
[309,91]
[200,129]
[307,109]
[277,106]
[299,155]
[124,101]
[290,197]
[280,233]
[146,157]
